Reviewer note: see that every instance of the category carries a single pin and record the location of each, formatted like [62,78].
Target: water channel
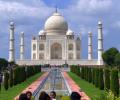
[54,82]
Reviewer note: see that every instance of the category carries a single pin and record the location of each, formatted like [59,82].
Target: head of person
[44,96]
[75,96]
[52,94]
[29,95]
[23,96]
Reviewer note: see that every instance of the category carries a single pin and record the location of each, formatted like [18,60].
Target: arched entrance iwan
[56,51]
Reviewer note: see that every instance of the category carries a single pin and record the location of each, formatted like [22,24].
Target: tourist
[23,96]
[53,95]
[75,96]
[29,95]
[44,96]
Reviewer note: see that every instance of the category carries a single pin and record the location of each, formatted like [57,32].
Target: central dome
[56,25]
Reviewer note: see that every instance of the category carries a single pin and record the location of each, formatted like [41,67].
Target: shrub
[107,95]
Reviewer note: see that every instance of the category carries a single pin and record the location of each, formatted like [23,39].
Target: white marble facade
[50,47]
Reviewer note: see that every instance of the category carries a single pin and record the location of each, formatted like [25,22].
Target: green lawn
[87,87]
[12,92]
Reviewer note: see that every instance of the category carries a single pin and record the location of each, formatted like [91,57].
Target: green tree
[96,77]
[89,75]
[0,86]
[11,77]
[93,75]
[107,78]
[114,82]
[6,80]
[3,64]
[117,59]
[109,56]
[101,80]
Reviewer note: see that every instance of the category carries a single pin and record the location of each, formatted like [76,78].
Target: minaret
[100,43]
[11,43]
[80,36]
[89,45]
[22,46]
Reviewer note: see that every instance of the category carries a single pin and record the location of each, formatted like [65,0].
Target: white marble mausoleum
[56,44]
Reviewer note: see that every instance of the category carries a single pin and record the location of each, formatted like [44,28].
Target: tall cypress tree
[96,77]
[107,78]
[90,75]
[93,75]
[0,86]
[101,80]
[6,80]
[11,77]
[114,82]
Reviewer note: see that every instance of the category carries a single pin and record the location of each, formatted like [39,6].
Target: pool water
[54,82]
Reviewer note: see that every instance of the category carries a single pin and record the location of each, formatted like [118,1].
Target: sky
[82,16]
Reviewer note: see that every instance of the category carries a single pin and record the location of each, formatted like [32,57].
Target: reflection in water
[55,82]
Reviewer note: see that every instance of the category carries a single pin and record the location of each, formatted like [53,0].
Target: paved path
[73,86]
[34,85]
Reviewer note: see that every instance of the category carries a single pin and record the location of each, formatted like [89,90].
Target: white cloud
[116,24]
[91,6]
[17,9]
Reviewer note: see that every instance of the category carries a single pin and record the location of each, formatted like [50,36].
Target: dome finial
[100,21]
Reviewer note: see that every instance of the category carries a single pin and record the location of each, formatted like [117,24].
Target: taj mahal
[56,44]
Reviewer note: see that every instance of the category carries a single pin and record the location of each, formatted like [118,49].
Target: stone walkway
[73,86]
[34,85]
